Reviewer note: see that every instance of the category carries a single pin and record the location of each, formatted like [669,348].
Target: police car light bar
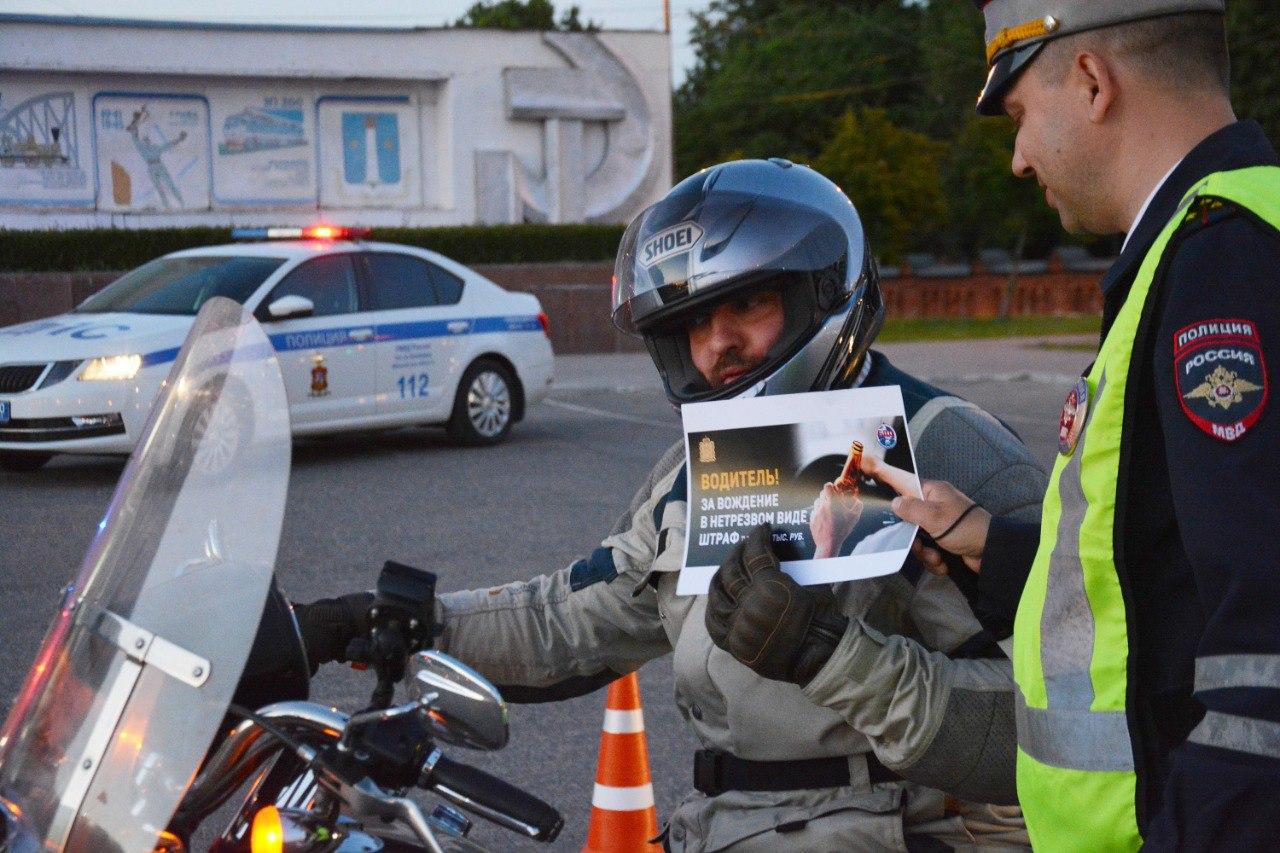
[311,232]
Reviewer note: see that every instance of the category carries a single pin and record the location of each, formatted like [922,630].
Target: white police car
[367,334]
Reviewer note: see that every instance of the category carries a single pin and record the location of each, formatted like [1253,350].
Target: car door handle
[360,334]
[458,326]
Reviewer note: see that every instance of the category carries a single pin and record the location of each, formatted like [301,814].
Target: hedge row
[120,249]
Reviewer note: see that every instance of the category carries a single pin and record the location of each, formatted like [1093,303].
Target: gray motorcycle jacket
[890,687]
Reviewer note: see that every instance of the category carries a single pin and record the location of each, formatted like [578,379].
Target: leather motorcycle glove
[767,621]
[330,624]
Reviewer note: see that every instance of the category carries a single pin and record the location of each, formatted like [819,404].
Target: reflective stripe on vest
[1076,778]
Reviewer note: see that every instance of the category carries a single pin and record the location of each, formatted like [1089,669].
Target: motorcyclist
[754,278]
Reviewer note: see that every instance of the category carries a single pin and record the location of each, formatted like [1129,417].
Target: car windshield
[183,284]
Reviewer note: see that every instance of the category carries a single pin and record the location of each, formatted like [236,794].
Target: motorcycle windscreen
[136,672]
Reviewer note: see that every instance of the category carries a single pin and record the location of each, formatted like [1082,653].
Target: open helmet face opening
[671,347]
[731,230]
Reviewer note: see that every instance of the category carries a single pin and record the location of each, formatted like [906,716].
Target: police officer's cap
[1018,29]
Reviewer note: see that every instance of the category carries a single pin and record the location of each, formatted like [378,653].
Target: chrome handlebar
[246,750]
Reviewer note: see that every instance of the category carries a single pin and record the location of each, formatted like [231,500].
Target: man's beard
[733,361]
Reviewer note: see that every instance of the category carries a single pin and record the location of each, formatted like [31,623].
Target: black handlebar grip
[494,799]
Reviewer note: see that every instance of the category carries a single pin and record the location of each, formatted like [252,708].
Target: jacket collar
[1235,146]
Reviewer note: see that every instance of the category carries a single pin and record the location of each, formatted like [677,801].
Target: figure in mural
[140,129]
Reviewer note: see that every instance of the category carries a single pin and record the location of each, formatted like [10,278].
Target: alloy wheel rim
[488,404]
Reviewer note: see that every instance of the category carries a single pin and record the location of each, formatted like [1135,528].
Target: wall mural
[42,153]
[369,152]
[290,145]
[264,149]
[152,152]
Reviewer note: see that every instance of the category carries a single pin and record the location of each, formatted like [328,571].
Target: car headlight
[112,367]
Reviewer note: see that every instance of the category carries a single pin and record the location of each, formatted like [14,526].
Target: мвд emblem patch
[1220,376]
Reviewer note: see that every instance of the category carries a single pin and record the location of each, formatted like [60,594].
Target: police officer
[751,278]
[1146,607]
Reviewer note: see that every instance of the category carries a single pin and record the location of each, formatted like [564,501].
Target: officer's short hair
[1187,51]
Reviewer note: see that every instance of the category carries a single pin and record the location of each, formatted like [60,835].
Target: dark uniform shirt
[1199,555]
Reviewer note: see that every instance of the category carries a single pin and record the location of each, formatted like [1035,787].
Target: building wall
[151,126]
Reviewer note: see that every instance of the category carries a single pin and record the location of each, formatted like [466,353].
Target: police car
[367,334]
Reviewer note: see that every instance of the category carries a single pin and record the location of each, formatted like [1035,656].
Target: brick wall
[32,295]
[576,297]
[1055,293]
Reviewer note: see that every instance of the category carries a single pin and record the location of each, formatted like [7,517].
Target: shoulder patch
[1220,376]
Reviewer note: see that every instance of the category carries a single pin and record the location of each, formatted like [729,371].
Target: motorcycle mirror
[460,704]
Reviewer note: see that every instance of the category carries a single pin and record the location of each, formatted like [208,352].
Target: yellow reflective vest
[1076,778]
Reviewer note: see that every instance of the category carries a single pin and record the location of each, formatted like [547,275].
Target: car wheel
[19,461]
[216,428]
[482,409]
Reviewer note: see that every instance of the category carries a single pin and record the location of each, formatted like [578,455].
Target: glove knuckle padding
[759,614]
[760,563]
[735,585]
[756,551]
[764,619]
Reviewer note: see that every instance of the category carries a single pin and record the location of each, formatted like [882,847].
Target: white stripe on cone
[623,722]
[614,799]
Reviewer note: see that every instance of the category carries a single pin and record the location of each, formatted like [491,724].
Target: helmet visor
[768,321]
[676,257]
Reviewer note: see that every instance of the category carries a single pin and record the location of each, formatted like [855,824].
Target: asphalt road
[480,517]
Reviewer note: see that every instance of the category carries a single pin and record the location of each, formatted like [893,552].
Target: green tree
[953,64]
[775,77]
[772,75]
[990,208]
[892,175]
[1253,37]
[523,15]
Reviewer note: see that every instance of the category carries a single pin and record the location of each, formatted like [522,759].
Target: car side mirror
[291,307]
[460,704]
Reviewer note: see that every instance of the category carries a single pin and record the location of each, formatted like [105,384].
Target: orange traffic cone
[623,817]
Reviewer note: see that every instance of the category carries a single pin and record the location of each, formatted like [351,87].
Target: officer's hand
[329,625]
[951,519]
[832,519]
[766,620]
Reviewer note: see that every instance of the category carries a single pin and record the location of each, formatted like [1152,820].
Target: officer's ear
[1094,76]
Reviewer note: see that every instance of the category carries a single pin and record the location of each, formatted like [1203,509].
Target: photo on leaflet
[744,476]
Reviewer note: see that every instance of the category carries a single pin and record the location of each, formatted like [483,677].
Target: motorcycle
[119,737]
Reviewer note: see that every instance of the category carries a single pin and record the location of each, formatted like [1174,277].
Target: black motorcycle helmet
[738,227]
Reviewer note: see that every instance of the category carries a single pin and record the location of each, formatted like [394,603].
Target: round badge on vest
[1074,410]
